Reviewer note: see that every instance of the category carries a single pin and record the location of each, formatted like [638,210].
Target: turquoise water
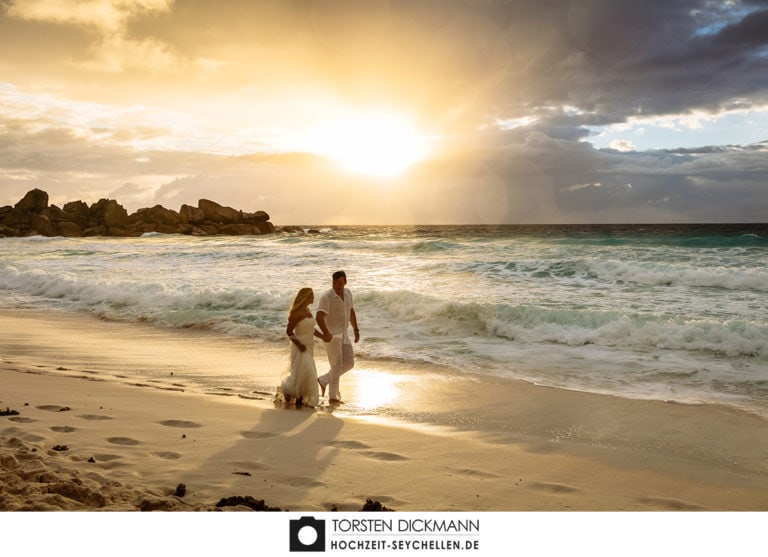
[672,312]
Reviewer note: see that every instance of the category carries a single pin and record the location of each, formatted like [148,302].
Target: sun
[372,142]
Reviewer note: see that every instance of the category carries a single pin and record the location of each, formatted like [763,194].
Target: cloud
[461,62]
[200,95]
[106,16]
[750,32]
[623,145]
[114,49]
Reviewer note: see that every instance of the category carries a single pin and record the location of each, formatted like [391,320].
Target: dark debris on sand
[8,412]
[375,506]
[259,504]
[246,501]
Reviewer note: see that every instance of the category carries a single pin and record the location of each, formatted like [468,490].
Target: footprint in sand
[122,441]
[63,429]
[179,423]
[94,417]
[359,445]
[106,457]
[53,408]
[257,434]
[472,473]
[248,465]
[108,461]
[554,488]
[670,504]
[351,444]
[22,420]
[167,455]
[384,455]
[304,482]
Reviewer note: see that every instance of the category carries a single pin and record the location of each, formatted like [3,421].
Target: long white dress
[301,377]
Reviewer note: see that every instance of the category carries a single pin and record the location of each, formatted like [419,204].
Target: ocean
[663,312]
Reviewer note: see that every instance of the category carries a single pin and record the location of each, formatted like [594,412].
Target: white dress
[301,378]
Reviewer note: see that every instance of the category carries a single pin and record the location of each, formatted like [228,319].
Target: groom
[335,311]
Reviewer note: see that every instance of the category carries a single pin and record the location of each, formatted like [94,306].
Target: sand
[89,438]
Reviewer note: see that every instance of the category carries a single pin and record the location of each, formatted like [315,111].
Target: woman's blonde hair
[301,301]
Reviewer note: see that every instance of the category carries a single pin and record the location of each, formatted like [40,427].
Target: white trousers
[341,358]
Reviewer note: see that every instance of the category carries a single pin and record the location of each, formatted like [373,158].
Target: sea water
[669,312]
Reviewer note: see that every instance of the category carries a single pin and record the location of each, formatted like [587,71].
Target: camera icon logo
[307,534]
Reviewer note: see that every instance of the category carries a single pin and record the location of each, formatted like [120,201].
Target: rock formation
[32,216]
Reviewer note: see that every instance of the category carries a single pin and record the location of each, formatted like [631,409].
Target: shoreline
[452,445]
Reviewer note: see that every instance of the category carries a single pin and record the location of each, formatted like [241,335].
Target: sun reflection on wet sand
[376,388]
[390,390]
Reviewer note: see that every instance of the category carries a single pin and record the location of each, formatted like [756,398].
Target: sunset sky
[399,111]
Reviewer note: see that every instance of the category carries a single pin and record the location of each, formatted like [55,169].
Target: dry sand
[88,438]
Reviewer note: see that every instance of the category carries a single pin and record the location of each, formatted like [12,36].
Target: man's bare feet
[322,388]
[335,401]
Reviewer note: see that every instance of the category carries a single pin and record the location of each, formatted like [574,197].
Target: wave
[670,274]
[704,242]
[730,338]
[450,320]
[416,318]
[614,271]
[704,236]
[233,311]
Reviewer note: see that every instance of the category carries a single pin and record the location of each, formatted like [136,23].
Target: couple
[335,311]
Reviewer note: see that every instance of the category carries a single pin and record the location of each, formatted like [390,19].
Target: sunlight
[375,389]
[372,142]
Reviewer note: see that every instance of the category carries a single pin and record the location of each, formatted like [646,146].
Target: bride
[300,381]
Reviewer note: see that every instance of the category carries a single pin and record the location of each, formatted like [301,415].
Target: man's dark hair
[339,274]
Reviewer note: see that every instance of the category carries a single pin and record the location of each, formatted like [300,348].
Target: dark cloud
[680,67]
[750,32]
[559,180]
[610,58]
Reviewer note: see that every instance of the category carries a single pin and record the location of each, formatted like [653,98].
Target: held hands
[328,337]
[298,343]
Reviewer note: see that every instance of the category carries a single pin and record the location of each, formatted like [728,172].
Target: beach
[88,437]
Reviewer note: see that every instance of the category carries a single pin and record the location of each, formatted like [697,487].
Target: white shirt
[336,312]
